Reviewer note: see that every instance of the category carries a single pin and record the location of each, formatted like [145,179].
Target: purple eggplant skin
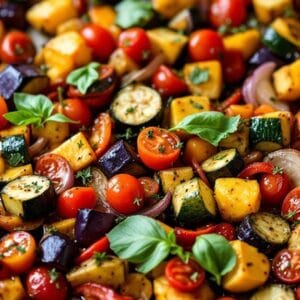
[58,250]
[13,15]
[91,225]
[264,55]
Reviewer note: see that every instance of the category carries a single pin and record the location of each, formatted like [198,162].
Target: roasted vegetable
[294,241]
[12,289]
[169,8]
[13,173]
[66,227]
[274,291]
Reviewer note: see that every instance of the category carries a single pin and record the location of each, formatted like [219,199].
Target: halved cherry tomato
[18,251]
[158,148]
[233,65]
[136,44]
[100,40]
[227,230]
[256,168]
[101,245]
[44,283]
[286,266]
[57,169]
[167,83]
[101,133]
[150,186]
[98,292]
[232,12]
[17,48]
[125,194]
[185,277]
[3,110]
[234,98]
[205,44]
[75,198]
[291,205]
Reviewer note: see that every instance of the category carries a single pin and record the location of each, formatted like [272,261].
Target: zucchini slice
[193,203]
[265,231]
[137,105]
[227,163]
[29,196]
[274,291]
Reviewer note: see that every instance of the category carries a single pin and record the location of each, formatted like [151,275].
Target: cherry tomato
[80,6]
[57,169]
[46,284]
[150,186]
[274,187]
[101,133]
[298,293]
[291,205]
[158,147]
[234,67]
[205,44]
[232,12]
[70,201]
[235,98]
[125,194]
[136,44]
[227,230]
[100,40]
[256,168]
[168,83]
[18,251]
[5,272]
[182,276]
[3,110]
[286,266]
[17,48]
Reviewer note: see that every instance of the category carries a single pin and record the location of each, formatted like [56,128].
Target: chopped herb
[289,12]
[291,214]
[99,257]
[179,145]
[273,99]
[146,54]
[194,276]
[80,144]
[195,104]
[15,159]
[33,185]
[219,156]
[253,23]
[21,249]
[161,149]
[129,134]
[119,219]
[223,29]
[1,256]
[137,201]
[127,42]
[155,197]
[277,170]
[85,175]
[44,68]
[50,229]
[54,275]
[130,110]
[199,75]
[150,134]
[85,18]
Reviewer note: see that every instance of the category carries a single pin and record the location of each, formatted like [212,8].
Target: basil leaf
[133,13]
[210,126]
[199,75]
[22,118]
[214,254]
[84,77]
[60,118]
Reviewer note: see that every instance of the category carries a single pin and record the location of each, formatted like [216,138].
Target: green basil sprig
[215,255]
[35,110]
[84,77]
[210,126]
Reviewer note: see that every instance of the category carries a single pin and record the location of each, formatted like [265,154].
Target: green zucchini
[29,196]
[227,163]
[193,203]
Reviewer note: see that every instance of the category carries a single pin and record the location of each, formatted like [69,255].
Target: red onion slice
[37,147]
[248,91]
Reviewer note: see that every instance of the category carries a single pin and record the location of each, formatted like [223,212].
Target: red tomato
[150,186]
[17,48]
[232,12]
[136,44]
[205,44]
[185,277]
[168,83]
[125,194]
[18,251]
[298,293]
[57,169]
[286,266]
[256,168]
[291,205]
[158,147]
[5,272]
[70,201]
[227,230]
[101,133]
[274,187]
[234,98]
[100,40]
[80,6]
[46,284]
[234,67]
[3,110]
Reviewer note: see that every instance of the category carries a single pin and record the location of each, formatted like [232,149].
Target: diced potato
[66,226]
[245,42]
[294,241]
[169,8]
[77,151]
[251,270]
[49,14]
[236,198]
[13,173]
[121,62]
[74,24]
[185,106]
[12,289]
[168,42]
[287,82]
[211,88]
[103,15]
[16,130]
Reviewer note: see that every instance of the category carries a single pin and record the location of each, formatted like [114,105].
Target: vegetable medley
[150,150]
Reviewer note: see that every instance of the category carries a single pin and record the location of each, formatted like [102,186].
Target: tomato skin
[256,168]
[234,67]
[234,98]
[167,83]
[178,274]
[150,186]
[274,188]
[18,250]
[227,230]
[3,110]
[100,40]
[298,293]
[41,287]
[16,48]
[75,198]
[125,194]
[158,148]
[291,205]
[233,12]
[205,44]
[136,44]
[286,266]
